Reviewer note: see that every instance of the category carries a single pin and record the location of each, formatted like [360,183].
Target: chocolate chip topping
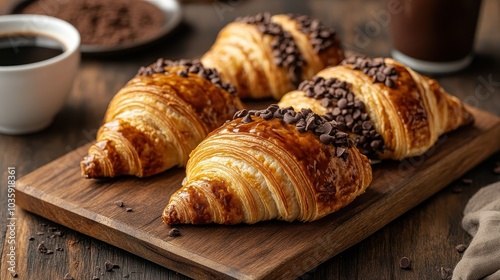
[348,111]
[320,35]
[305,120]
[375,68]
[285,51]
[190,67]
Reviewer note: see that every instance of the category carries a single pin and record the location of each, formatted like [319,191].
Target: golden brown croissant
[158,118]
[270,164]
[264,56]
[389,110]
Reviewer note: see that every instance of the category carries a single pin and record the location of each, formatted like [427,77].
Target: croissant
[267,56]
[158,118]
[269,164]
[389,110]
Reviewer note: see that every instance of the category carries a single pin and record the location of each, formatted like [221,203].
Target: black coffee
[24,48]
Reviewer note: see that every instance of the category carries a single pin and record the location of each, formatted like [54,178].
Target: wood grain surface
[427,233]
[267,250]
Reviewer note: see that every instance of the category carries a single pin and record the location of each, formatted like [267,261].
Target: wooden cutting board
[267,250]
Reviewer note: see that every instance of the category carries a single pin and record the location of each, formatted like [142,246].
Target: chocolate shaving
[286,53]
[320,35]
[348,111]
[305,120]
[190,67]
[375,68]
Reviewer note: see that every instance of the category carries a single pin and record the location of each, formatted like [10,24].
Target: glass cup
[433,36]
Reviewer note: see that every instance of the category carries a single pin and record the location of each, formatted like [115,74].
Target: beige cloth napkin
[481,219]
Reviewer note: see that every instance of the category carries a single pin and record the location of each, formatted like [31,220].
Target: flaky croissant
[267,56]
[158,118]
[269,164]
[389,110]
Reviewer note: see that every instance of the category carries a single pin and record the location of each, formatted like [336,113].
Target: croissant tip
[170,215]
[90,167]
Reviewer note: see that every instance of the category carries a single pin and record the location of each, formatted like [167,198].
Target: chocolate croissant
[267,56]
[158,118]
[270,164]
[389,110]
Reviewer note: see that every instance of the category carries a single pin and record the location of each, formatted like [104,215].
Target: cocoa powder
[103,22]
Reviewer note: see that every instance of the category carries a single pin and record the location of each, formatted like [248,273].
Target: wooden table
[427,234]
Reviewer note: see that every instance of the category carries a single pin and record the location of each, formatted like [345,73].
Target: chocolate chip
[389,82]
[367,125]
[174,232]
[326,139]
[290,117]
[461,248]
[266,115]
[247,119]
[342,103]
[405,263]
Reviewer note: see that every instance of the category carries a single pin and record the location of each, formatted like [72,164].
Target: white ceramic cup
[32,94]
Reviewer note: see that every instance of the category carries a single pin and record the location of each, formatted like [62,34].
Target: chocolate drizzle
[285,51]
[305,120]
[190,66]
[320,36]
[348,111]
[375,68]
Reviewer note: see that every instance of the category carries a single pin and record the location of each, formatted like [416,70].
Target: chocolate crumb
[496,170]
[49,252]
[59,249]
[68,277]
[467,181]
[174,232]
[126,276]
[14,275]
[446,273]
[461,248]
[119,203]
[31,238]
[41,248]
[95,278]
[128,209]
[52,229]
[457,189]
[405,263]
[110,266]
